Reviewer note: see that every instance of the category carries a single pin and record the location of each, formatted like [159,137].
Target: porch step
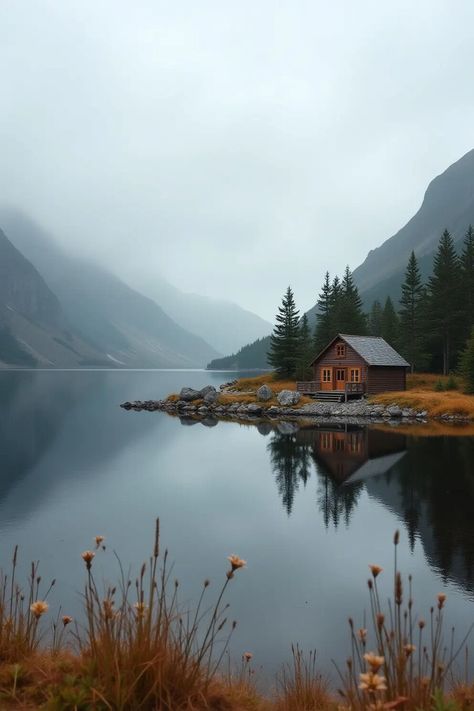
[330,396]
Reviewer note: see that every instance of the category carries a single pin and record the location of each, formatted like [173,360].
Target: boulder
[264,428]
[189,394]
[287,428]
[394,411]
[287,398]
[211,397]
[264,393]
[207,389]
[254,409]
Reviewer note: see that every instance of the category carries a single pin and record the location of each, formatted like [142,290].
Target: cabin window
[326,375]
[355,375]
[355,444]
[325,440]
[340,350]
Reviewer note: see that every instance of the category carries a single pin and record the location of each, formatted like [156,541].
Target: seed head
[362,634]
[66,620]
[409,649]
[38,608]
[380,620]
[374,661]
[396,537]
[88,557]
[98,541]
[421,624]
[371,683]
[236,562]
[247,656]
[140,609]
[375,570]
[441,600]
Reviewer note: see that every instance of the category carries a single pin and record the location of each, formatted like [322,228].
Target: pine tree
[285,339]
[467,364]
[375,319]
[467,279]
[336,306]
[323,331]
[351,316]
[305,350]
[445,300]
[390,323]
[411,321]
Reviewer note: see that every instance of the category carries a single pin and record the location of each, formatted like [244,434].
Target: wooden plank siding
[374,378]
[329,359]
[386,379]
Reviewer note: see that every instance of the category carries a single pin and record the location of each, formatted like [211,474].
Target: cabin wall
[383,379]
[329,359]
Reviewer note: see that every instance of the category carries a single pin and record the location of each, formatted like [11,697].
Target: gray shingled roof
[374,350]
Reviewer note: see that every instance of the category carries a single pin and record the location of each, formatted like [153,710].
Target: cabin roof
[373,349]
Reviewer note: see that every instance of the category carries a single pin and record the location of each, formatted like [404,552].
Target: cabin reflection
[343,457]
[353,454]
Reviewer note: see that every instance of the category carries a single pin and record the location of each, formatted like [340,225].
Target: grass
[140,649]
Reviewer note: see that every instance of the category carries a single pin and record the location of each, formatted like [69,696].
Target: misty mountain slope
[223,324]
[129,329]
[33,328]
[448,203]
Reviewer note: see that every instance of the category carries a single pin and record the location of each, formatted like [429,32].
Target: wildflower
[441,600]
[409,649]
[140,608]
[374,661]
[38,608]
[98,541]
[247,656]
[362,634]
[421,624]
[236,562]
[88,557]
[372,683]
[375,570]
[66,620]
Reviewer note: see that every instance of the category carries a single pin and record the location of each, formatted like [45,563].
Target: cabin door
[340,378]
[326,379]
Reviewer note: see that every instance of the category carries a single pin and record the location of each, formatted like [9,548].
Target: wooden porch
[315,389]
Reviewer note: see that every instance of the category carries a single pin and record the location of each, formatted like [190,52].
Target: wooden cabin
[354,366]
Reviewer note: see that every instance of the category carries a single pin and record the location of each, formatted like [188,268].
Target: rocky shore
[211,404]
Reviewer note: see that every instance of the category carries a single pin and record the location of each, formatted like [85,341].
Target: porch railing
[315,386]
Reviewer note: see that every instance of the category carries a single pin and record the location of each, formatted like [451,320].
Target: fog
[233,148]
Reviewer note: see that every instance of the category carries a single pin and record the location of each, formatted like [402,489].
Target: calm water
[308,509]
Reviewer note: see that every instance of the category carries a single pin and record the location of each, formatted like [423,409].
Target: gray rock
[264,428]
[254,409]
[211,396]
[209,421]
[203,410]
[264,393]
[189,394]
[394,411]
[273,410]
[287,398]
[287,428]
[207,389]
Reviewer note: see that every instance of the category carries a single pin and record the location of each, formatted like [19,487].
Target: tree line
[430,326]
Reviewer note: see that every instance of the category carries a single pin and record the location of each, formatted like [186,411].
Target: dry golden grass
[252,384]
[432,428]
[450,402]
[140,651]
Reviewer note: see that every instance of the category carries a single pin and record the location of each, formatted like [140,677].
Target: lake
[307,509]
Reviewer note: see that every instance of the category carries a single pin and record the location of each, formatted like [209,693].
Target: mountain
[223,324]
[129,329]
[448,203]
[247,358]
[33,328]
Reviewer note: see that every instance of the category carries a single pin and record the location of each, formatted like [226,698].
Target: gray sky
[234,147]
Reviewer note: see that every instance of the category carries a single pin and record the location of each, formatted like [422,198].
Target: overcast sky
[234,147]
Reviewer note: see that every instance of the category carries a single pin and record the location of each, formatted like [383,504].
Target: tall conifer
[305,350]
[411,321]
[323,331]
[351,317]
[285,339]
[467,278]
[390,323]
[445,300]
[375,319]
